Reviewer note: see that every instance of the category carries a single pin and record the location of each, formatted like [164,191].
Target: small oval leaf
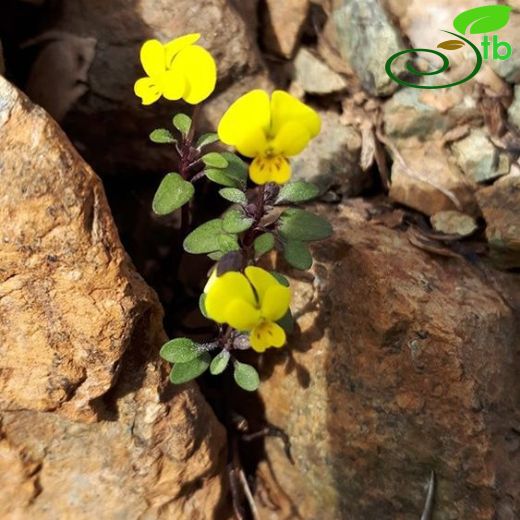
[263,244]
[234,221]
[233,195]
[299,191]
[451,45]
[215,160]
[173,192]
[246,376]
[162,136]
[182,123]
[219,363]
[179,350]
[184,372]
[484,19]
[297,254]
[298,224]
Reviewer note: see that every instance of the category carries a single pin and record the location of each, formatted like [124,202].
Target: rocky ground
[406,353]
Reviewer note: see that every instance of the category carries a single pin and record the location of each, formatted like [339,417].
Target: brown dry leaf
[451,45]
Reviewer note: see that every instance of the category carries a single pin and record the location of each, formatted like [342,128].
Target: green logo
[479,20]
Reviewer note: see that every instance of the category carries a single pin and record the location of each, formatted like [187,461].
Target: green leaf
[179,350]
[263,244]
[202,305]
[219,363]
[287,322]
[182,123]
[215,160]
[205,238]
[298,191]
[297,254]
[246,376]
[484,19]
[281,278]
[298,224]
[206,139]
[162,136]
[221,177]
[173,192]
[184,372]
[216,255]
[228,243]
[233,195]
[233,176]
[234,221]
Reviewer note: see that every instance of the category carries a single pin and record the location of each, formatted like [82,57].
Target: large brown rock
[86,428]
[405,363]
[500,205]
[108,124]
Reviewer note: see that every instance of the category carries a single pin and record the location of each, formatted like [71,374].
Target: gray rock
[478,158]
[514,109]
[454,223]
[314,76]
[509,69]
[420,113]
[332,158]
[366,39]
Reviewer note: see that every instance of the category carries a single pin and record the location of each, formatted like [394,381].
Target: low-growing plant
[249,304]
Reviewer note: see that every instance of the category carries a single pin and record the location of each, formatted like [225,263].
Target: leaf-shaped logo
[487,18]
[451,45]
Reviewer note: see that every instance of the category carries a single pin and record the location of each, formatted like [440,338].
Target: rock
[422,113]
[500,205]
[424,178]
[404,363]
[509,69]
[366,38]
[332,159]
[454,223]
[283,25]
[67,57]
[314,76]
[514,109]
[478,158]
[108,124]
[86,429]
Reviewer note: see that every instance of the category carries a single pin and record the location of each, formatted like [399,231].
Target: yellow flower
[252,302]
[176,70]
[270,131]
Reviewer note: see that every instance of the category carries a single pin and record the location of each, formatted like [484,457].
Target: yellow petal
[175,46]
[267,334]
[292,138]
[147,90]
[198,67]
[226,288]
[286,108]
[261,280]
[270,169]
[241,315]
[275,302]
[153,57]
[246,122]
[172,85]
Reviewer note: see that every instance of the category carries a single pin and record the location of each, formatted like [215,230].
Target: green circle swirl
[444,67]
